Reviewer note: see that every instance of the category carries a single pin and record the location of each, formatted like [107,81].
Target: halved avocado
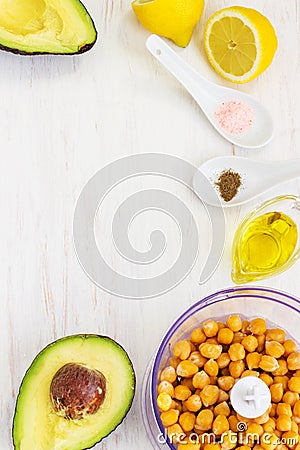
[75,393]
[45,26]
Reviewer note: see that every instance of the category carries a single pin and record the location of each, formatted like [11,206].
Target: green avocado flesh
[45,26]
[37,426]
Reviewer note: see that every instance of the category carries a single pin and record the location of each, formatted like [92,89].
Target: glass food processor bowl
[280,310]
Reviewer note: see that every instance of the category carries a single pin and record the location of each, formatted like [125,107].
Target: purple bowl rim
[179,321]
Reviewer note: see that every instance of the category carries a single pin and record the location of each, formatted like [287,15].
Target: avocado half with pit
[45,26]
[75,393]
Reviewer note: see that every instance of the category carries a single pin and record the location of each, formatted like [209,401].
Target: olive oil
[262,246]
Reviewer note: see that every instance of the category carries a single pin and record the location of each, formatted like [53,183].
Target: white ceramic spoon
[209,97]
[257,177]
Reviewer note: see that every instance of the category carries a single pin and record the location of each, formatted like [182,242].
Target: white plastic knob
[250,397]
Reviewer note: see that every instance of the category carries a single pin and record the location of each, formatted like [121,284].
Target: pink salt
[235,117]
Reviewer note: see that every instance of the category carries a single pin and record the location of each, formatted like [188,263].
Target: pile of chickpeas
[193,392]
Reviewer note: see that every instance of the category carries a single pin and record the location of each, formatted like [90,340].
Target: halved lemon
[240,43]
[173,19]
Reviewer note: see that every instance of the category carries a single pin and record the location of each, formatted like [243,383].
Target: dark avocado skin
[84,336]
[15,51]
[83,49]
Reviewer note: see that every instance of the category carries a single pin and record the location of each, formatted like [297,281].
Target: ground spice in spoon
[228,184]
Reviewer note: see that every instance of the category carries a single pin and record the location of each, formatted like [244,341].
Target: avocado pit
[77,391]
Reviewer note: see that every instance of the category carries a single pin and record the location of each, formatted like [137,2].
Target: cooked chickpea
[275,334]
[223,396]
[293,361]
[210,328]
[225,383]
[272,410]
[284,423]
[193,403]
[175,432]
[253,360]
[236,368]
[233,423]
[186,369]
[294,384]
[198,336]
[236,352]
[268,363]
[269,426]
[168,374]
[269,441]
[290,397]
[284,409]
[211,368]
[276,390]
[291,438]
[274,348]
[261,343]
[238,337]
[223,360]
[254,432]
[229,440]
[266,379]
[296,409]
[290,346]
[257,326]
[263,418]
[283,380]
[222,409]
[220,425]
[282,369]
[197,359]
[210,351]
[205,419]
[166,387]
[250,343]
[169,418]
[173,362]
[187,421]
[201,379]
[164,401]
[209,395]
[250,373]
[182,392]
[182,349]
[234,323]
[225,336]
[295,427]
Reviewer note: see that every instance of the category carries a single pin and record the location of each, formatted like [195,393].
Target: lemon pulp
[240,43]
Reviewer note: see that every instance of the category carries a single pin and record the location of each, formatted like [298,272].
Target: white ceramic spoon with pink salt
[211,96]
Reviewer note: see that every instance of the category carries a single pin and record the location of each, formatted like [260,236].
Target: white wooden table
[62,119]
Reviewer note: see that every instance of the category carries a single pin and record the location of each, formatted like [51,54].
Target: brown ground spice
[228,184]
